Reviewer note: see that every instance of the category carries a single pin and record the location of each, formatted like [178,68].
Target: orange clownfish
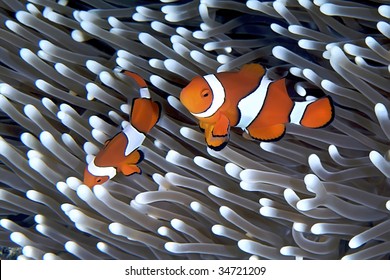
[120,153]
[248,99]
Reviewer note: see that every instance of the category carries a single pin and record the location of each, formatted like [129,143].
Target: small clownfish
[120,153]
[248,99]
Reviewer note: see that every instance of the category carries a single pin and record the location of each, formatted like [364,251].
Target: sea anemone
[315,194]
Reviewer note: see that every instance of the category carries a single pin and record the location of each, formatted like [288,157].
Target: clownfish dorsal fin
[138,79]
[252,69]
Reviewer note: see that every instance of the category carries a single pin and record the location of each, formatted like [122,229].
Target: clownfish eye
[205,93]
[99,180]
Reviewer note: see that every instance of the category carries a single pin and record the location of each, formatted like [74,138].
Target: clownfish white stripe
[134,138]
[218,96]
[101,171]
[144,93]
[251,105]
[298,111]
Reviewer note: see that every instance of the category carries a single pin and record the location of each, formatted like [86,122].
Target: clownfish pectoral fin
[145,113]
[221,128]
[217,135]
[130,169]
[267,133]
[216,143]
[204,126]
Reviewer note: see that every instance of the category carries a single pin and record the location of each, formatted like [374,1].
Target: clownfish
[248,99]
[120,153]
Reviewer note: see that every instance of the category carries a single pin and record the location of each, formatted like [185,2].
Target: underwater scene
[199,130]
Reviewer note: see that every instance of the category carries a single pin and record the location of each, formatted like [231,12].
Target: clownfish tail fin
[318,113]
[145,113]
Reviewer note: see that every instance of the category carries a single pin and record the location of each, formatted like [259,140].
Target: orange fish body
[121,154]
[248,99]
